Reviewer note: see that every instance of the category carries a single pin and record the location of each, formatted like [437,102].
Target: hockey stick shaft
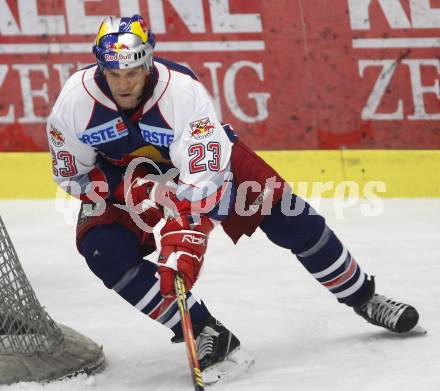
[188,335]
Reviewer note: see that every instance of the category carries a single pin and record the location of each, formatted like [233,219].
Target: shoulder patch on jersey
[202,128]
[56,137]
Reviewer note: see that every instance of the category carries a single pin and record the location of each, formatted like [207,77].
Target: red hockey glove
[182,251]
[144,190]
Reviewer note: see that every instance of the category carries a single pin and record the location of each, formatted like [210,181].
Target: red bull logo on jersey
[56,137]
[202,128]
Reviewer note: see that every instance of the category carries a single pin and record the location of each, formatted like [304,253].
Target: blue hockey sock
[112,253]
[319,251]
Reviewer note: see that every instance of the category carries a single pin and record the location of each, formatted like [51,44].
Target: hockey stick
[188,335]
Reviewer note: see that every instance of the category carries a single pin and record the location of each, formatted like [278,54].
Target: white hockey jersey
[178,127]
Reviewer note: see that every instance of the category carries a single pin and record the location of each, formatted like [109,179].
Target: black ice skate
[219,352]
[384,312]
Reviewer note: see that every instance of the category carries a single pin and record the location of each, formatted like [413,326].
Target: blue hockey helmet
[124,43]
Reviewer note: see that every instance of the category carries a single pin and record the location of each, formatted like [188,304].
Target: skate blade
[237,362]
[417,330]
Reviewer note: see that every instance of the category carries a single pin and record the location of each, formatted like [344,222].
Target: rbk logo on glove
[183,252]
[193,239]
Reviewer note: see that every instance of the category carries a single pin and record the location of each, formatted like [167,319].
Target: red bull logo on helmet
[202,128]
[118,46]
[118,57]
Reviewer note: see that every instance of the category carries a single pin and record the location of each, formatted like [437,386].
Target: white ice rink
[301,338]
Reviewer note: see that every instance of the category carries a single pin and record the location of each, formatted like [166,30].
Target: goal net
[32,346]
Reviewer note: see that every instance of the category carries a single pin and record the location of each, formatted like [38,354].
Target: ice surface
[302,339]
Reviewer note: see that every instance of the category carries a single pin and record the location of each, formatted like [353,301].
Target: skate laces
[205,342]
[383,310]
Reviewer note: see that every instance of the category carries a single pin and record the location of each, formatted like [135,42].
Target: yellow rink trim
[408,173]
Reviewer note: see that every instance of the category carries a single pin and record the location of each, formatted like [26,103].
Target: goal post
[33,347]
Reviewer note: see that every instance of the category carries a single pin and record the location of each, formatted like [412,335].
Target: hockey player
[131,105]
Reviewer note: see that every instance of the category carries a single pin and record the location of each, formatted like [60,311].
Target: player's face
[126,85]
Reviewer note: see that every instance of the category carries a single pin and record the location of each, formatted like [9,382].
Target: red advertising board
[286,74]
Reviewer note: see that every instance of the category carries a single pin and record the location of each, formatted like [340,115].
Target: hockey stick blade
[188,334]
